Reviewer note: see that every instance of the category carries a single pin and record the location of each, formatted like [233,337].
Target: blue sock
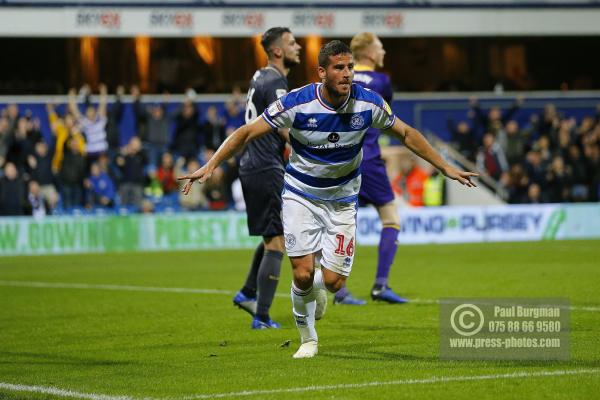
[387,251]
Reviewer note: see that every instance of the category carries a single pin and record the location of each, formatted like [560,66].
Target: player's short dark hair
[271,36]
[333,48]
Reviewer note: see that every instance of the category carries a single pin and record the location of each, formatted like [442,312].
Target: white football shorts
[311,225]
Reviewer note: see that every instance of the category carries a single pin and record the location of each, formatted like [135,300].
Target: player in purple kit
[368,53]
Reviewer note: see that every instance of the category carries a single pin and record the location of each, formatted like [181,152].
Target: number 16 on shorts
[343,254]
[341,240]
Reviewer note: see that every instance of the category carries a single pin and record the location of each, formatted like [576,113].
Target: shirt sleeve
[279,116]
[383,117]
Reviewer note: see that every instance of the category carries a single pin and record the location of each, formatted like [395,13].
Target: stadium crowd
[551,159]
[85,167]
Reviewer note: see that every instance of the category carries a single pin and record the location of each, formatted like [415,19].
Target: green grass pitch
[176,345]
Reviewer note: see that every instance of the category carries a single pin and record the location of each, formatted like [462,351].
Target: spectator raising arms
[93,124]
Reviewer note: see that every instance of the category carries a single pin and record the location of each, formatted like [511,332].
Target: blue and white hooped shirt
[327,142]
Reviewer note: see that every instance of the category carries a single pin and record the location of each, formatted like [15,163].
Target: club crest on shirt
[290,241]
[333,137]
[357,121]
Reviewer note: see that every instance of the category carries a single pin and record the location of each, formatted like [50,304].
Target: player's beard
[289,62]
[332,89]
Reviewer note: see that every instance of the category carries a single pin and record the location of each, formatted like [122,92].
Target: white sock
[304,306]
[318,282]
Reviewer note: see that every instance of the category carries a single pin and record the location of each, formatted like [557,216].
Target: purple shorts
[375,188]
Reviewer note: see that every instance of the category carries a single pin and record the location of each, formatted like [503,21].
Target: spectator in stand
[34,128]
[491,158]
[558,182]
[12,114]
[5,137]
[139,112]
[166,174]
[534,194]
[114,117]
[549,122]
[216,192]
[101,189]
[12,192]
[564,141]
[41,171]
[72,174]
[534,168]
[494,120]
[63,129]
[20,145]
[516,140]
[93,124]
[36,204]
[409,183]
[213,131]
[517,183]
[542,146]
[132,164]
[463,139]
[234,116]
[196,199]
[154,130]
[579,191]
[186,141]
[592,155]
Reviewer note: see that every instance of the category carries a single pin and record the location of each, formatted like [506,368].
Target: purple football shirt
[380,83]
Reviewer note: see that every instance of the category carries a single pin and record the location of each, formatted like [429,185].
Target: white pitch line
[131,288]
[60,392]
[432,380]
[127,288]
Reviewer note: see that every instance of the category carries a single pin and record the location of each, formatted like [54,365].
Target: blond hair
[360,42]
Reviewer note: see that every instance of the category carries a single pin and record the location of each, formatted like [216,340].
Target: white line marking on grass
[60,392]
[132,288]
[128,288]
[433,379]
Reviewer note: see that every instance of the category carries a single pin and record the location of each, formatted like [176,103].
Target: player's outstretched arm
[231,146]
[416,142]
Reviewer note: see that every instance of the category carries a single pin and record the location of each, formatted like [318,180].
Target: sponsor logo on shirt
[333,137]
[312,123]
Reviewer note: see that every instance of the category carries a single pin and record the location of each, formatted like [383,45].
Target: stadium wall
[227,230]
